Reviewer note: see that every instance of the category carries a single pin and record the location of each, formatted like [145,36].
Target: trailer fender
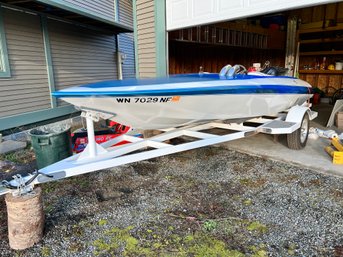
[296,114]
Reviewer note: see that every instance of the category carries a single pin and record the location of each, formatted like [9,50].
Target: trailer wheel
[297,140]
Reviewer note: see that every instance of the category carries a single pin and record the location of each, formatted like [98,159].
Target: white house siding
[80,55]
[27,88]
[145,11]
[126,40]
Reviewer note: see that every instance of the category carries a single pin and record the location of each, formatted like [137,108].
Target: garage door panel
[252,2]
[256,3]
[188,13]
[273,5]
[178,10]
[203,8]
[225,6]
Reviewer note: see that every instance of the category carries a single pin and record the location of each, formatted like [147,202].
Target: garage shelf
[321,71]
[321,40]
[322,53]
[334,28]
[316,44]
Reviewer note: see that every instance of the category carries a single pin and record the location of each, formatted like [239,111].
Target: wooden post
[25,219]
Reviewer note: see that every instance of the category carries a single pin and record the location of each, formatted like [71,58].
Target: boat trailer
[96,157]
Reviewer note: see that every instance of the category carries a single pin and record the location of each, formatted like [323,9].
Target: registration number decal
[148,100]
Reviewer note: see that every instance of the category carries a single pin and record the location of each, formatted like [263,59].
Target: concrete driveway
[313,156]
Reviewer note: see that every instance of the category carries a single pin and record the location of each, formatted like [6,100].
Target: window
[4,64]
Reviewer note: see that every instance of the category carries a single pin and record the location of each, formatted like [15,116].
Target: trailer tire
[298,139]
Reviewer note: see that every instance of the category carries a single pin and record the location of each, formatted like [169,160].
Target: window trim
[6,73]
[116,10]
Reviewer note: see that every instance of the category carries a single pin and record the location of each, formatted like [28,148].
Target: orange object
[175,98]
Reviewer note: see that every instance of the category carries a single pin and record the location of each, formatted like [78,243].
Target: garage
[184,36]
[304,36]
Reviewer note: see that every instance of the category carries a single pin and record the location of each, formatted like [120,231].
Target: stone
[11,146]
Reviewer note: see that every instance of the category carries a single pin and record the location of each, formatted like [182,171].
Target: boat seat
[275,71]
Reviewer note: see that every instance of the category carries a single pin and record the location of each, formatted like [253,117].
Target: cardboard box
[339,120]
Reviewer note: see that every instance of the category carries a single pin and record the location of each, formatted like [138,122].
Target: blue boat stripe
[253,89]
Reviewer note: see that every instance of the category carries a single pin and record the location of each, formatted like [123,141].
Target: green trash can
[51,144]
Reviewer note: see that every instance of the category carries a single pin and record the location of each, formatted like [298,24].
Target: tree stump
[25,219]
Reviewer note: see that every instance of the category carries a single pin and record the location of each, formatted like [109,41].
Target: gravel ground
[206,202]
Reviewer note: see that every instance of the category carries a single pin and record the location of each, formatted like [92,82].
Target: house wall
[46,55]
[101,8]
[26,90]
[125,14]
[126,40]
[80,55]
[146,50]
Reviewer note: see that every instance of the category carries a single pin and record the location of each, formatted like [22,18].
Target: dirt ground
[205,202]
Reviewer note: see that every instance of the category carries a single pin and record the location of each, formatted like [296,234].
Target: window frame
[6,72]
[116,10]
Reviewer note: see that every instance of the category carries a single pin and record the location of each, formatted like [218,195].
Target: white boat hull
[176,101]
[156,112]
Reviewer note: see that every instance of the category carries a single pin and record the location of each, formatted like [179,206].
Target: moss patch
[253,183]
[257,227]
[45,251]
[120,241]
[124,242]
[102,222]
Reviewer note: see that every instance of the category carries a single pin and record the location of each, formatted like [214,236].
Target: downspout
[119,60]
[119,54]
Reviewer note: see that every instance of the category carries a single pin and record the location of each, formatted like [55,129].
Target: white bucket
[257,66]
[339,66]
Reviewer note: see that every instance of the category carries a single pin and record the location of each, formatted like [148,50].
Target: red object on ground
[316,98]
[119,128]
[80,139]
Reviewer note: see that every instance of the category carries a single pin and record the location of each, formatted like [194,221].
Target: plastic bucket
[51,144]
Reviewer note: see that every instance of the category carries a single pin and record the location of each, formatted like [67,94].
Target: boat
[175,102]
[179,100]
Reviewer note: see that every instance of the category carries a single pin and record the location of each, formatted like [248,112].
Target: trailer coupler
[22,186]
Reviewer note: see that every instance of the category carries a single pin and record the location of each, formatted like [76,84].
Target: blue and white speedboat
[183,99]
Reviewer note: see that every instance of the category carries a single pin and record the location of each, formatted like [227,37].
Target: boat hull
[158,112]
[179,100]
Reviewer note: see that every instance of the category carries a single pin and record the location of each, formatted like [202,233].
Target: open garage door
[188,13]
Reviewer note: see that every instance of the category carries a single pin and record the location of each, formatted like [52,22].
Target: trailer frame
[104,156]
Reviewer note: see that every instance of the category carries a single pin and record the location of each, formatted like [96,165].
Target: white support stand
[92,149]
[97,157]
[91,137]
